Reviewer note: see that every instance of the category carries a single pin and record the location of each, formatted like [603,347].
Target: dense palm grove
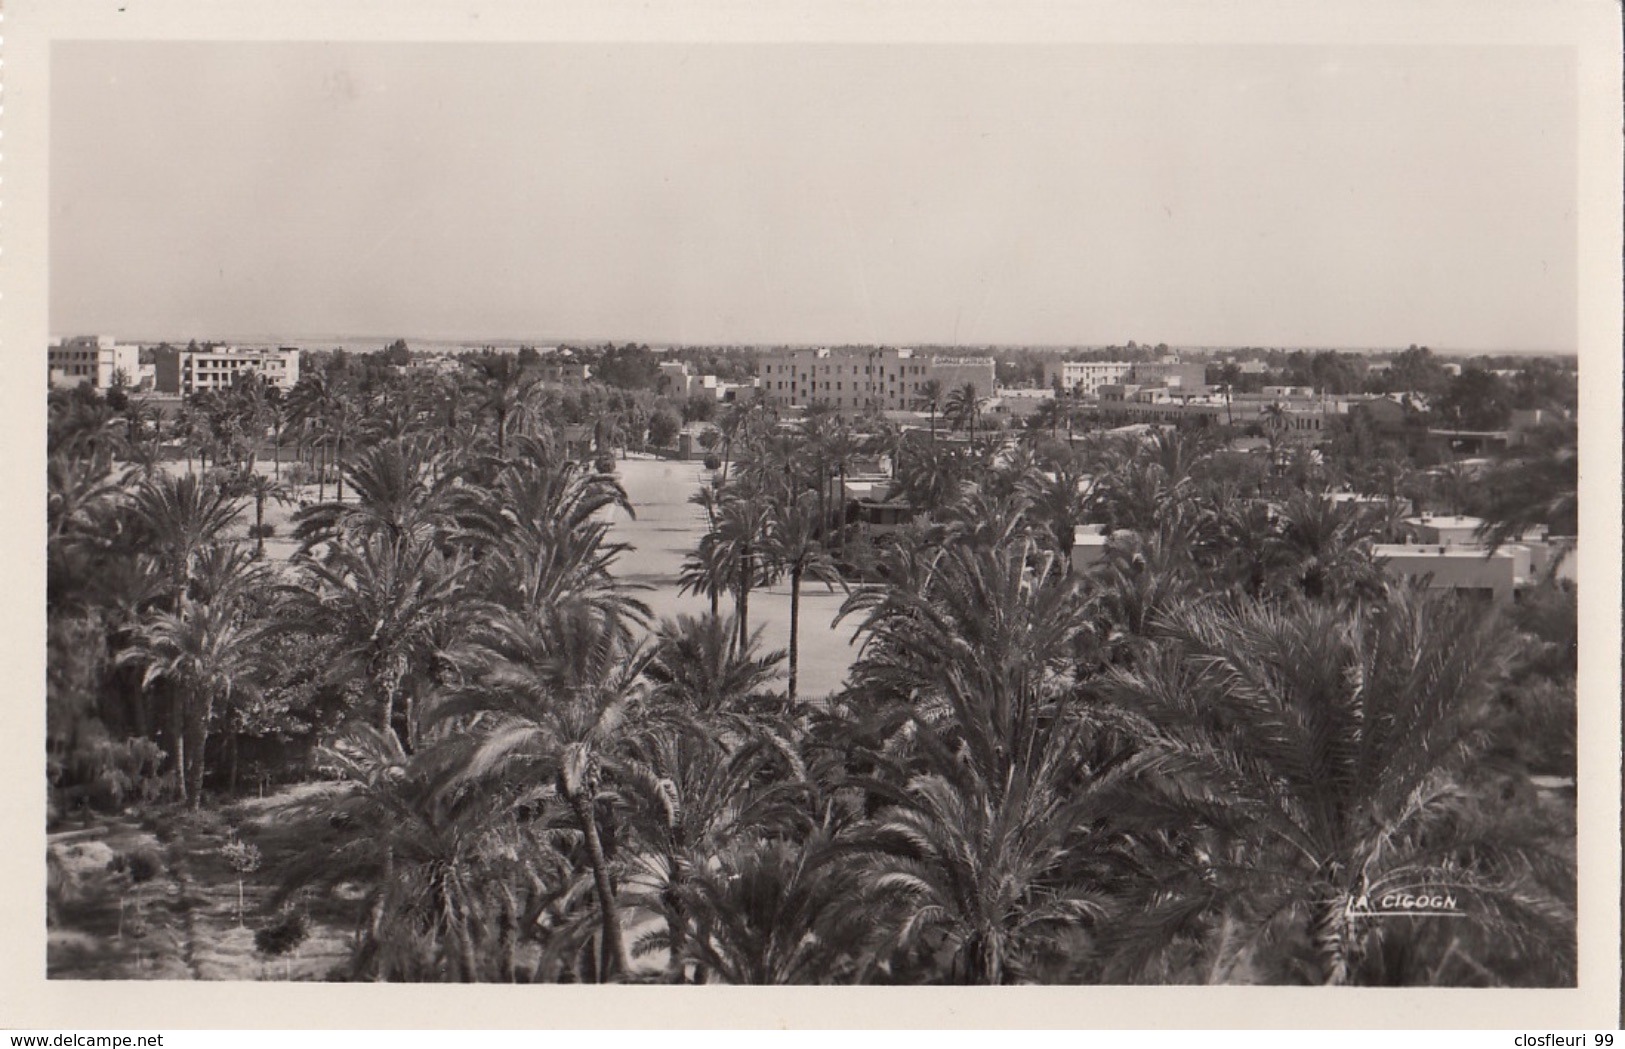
[1189,763]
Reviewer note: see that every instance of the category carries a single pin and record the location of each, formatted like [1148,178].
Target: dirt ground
[181,920]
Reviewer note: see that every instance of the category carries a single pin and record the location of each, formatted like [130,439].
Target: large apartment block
[192,371]
[887,379]
[95,359]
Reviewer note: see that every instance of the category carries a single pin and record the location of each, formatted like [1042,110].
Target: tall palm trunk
[744,594]
[338,465]
[375,921]
[840,502]
[259,526]
[1329,930]
[614,960]
[197,739]
[386,716]
[982,965]
[677,920]
[795,627]
[468,966]
[177,720]
[507,935]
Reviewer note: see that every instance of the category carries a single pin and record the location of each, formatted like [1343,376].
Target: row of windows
[837,385]
[835,369]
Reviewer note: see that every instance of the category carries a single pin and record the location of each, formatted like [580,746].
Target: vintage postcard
[1061,516]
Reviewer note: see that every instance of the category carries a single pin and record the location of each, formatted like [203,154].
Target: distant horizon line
[477,342]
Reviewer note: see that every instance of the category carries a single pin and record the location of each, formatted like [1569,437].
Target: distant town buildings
[564,371]
[1087,378]
[191,371]
[96,359]
[889,379]
[439,364]
[1188,377]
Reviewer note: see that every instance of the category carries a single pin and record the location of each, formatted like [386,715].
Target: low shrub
[142,864]
[282,935]
[713,463]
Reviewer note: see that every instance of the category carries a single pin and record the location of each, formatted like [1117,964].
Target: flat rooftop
[1435,550]
[1445,521]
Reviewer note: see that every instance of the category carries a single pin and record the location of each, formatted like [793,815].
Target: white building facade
[193,371]
[96,359]
[1086,377]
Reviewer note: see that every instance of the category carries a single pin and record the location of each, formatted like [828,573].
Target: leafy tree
[663,428]
[1475,400]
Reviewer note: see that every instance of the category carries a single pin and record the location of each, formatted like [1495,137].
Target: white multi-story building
[96,359]
[1086,377]
[677,379]
[887,379]
[193,371]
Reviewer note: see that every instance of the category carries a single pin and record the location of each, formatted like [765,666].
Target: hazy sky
[794,193]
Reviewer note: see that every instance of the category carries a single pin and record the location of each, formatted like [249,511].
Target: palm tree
[547,704]
[437,862]
[1328,751]
[964,406]
[176,518]
[984,638]
[542,540]
[699,668]
[692,799]
[772,914]
[401,490]
[380,603]
[505,394]
[931,478]
[308,405]
[741,531]
[990,847]
[793,548]
[1539,486]
[931,397]
[80,493]
[208,654]
[341,419]
[1324,547]
[710,569]
[1061,498]
[990,874]
[259,487]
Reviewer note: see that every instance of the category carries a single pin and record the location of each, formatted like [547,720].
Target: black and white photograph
[786,512]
